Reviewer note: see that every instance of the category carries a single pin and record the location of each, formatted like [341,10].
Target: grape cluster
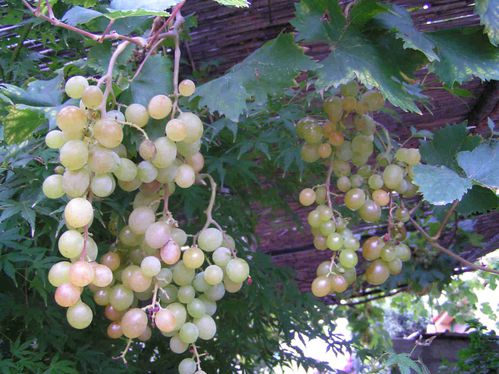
[151,259]
[366,180]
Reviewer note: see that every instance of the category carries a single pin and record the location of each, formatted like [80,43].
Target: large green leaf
[488,10]
[19,123]
[481,164]
[478,200]
[154,5]
[38,92]
[267,71]
[439,184]
[117,14]
[79,15]
[464,54]
[312,24]
[398,20]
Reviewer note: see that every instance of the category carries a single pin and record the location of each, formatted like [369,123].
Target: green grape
[348,259]
[374,100]
[186,87]
[371,249]
[365,125]
[150,266]
[380,197]
[167,175]
[320,242]
[177,346]
[134,323]
[310,153]
[70,244]
[170,293]
[360,159]
[194,127]
[343,183]
[187,366]
[357,180]
[350,275]
[126,170]
[401,154]
[186,294]
[321,286]
[121,297]
[188,149]
[413,156]
[179,313]
[383,159]
[230,286]
[72,121]
[206,326]
[362,144]
[307,197]
[92,97]
[160,106]
[55,139]
[78,212]
[334,241]
[213,274]
[101,297]
[210,305]
[74,154]
[323,268]
[116,115]
[340,224]
[146,172]
[193,258]
[377,273]
[137,114]
[338,283]
[314,218]
[179,236]
[237,270]
[327,228]
[312,134]
[403,252]
[52,186]
[341,168]
[388,253]
[375,182]
[349,104]
[392,176]
[189,333]
[325,150]
[216,292]
[79,316]
[196,161]
[199,283]
[351,243]
[185,176]
[344,152]
[402,214]
[108,132]
[411,191]
[176,130]
[370,211]
[182,275]
[221,256]
[349,89]
[394,266]
[320,195]
[210,239]
[130,186]
[166,152]
[164,277]
[102,160]
[333,108]
[403,186]
[355,198]
[75,86]
[59,273]
[325,213]
[102,185]
[196,308]
[302,124]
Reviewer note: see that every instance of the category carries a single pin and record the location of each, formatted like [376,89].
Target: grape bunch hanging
[151,278]
[368,181]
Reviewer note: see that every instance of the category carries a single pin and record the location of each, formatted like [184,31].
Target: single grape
[388,253]
[186,87]
[74,154]
[355,198]
[185,176]
[325,150]
[179,236]
[102,160]
[79,315]
[327,228]
[196,308]
[213,274]
[377,273]
[70,244]
[395,266]
[313,134]
[310,153]
[137,114]
[182,275]
[75,86]
[314,218]
[67,295]
[413,156]
[320,195]
[193,127]
[334,241]
[116,115]
[59,273]
[81,273]
[92,97]
[187,366]
[194,257]
[140,219]
[343,183]
[323,268]
[165,320]
[338,283]
[114,330]
[78,212]
[237,270]
[392,176]
[177,346]
[55,139]
[189,333]
[375,182]
[403,252]
[134,323]
[321,286]
[176,130]
[170,253]
[108,132]
[320,242]
[101,296]
[112,314]
[402,214]
[333,108]
[348,259]
[102,185]
[349,104]
[341,168]
[371,249]
[370,211]
[179,313]
[112,260]
[381,197]
[196,161]
[210,239]
[307,197]
[206,326]
[72,121]
[344,151]
[52,186]
[357,180]
[159,106]
[186,294]
[146,172]
[121,298]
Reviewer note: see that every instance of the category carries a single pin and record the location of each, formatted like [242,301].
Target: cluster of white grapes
[367,180]
[151,259]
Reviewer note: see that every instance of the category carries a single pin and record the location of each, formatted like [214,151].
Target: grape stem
[85,232]
[327,185]
[197,356]
[388,145]
[135,127]
[123,353]
[154,301]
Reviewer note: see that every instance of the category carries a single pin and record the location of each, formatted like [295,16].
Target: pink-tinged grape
[134,323]
[52,186]
[187,366]
[357,180]
[196,308]
[232,287]
[210,239]
[101,296]
[146,172]
[170,253]
[166,152]
[334,241]
[92,97]
[375,182]
[341,168]
[186,87]
[157,235]
[377,273]
[121,297]
[392,176]
[307,197]
[102,160]
[112,260]
[139,282]
[79,316]
[137,114]
[343,183]
[338,283]
[165,320]
[221,256]
[394,266]
[179,313]
[403,252]
[74,154]
[381,197]
[147,149]
[81,273]
[182,275]
[108,132]
[177,346]
[150,266]
[67,295]
[196,161]
[146,335]
[193,126]
[355,198]
[213,275]
[320,242]
[321,286]
[102,185]
[78,212]
[348,259]
[103,276]
[55,139]
[130,186]
[189,333]
[237,270]
[325,150]
[146,200]
[327,228]
[370,211]
[160,106]
[114,330]
[176,130]
[112,314]
[140,219]
[310,152]
[193,258]
[185,176]
[72,121]
[371,249]
[70,244]
[206,326]
[75,86]
[59,273]
[186,294]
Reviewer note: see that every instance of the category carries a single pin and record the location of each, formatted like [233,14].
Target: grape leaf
[311,23]
[446,143]
[399,21]
[488,10]
[268,70]
[478,200]
[439,184]
[464,53]
[481,165]
[79,15]
[364,11]
[234,3]
[100,54]
[19,123]
[154,5]
[117,14]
